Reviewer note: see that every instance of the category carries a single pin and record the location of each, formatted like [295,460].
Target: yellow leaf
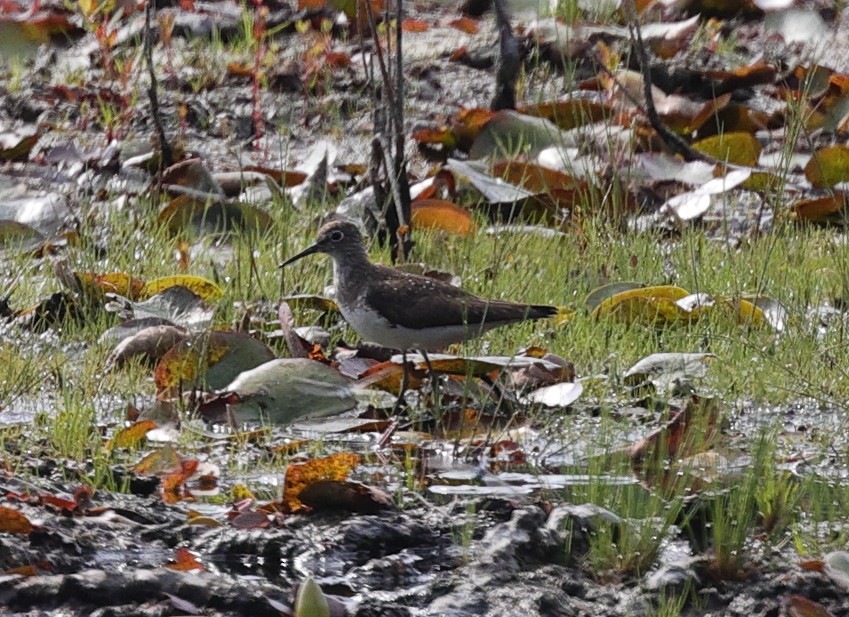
[653,305]
[207,290]
[738,148]
[828,166]
[131,436]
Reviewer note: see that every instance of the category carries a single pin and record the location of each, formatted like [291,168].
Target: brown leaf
[250,519]
[689,432]
[800,606]
[345,495]
[149,345]
[14,521]
[299,476]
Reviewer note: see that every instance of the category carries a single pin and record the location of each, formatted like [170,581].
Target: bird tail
[561,314]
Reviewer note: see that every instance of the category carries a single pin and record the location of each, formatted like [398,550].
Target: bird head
[337,239]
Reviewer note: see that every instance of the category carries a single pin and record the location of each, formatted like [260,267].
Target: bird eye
[336,236]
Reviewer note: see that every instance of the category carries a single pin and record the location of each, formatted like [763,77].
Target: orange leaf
[533,177]
[26,571]
[414,25]
[131,436]
[173,483]
[239,69]
[812,565]
[442,136]
[468,123]
[184,561]
[828,209]
[466,24]
[14,521]
[442,215]
[388,375]
[571,113]
[298,477]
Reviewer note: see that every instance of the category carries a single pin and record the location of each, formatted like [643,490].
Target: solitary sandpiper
[405,311]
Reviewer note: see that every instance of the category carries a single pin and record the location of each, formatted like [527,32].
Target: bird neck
[350,271]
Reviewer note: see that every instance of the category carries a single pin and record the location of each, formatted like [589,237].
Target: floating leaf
[479,366]
[176,305]
[187,211]
[509,132]
[149,345]
[535,178]
[800,606]
[494,190]
[18,236]
[693,204]
[599,294]
[159,462]
[689,432]
[837,568]
[388,376]
[571,113]
[15,145]
[119,283]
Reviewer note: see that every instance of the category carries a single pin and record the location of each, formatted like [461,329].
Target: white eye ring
[336,236]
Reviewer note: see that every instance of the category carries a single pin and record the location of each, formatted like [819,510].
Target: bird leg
[434,382]
[404,383]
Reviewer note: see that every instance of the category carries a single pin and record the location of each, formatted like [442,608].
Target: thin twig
[674,141]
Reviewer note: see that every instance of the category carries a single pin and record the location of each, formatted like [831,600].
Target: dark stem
[167,156]
[509,63]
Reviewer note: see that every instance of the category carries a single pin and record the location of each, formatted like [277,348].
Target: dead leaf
[440,215]
[14,521]
[299,476]
[184,561]
[345,495]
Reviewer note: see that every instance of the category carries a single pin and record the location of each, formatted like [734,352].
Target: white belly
[372,327]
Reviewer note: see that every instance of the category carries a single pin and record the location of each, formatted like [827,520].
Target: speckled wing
[418,302]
